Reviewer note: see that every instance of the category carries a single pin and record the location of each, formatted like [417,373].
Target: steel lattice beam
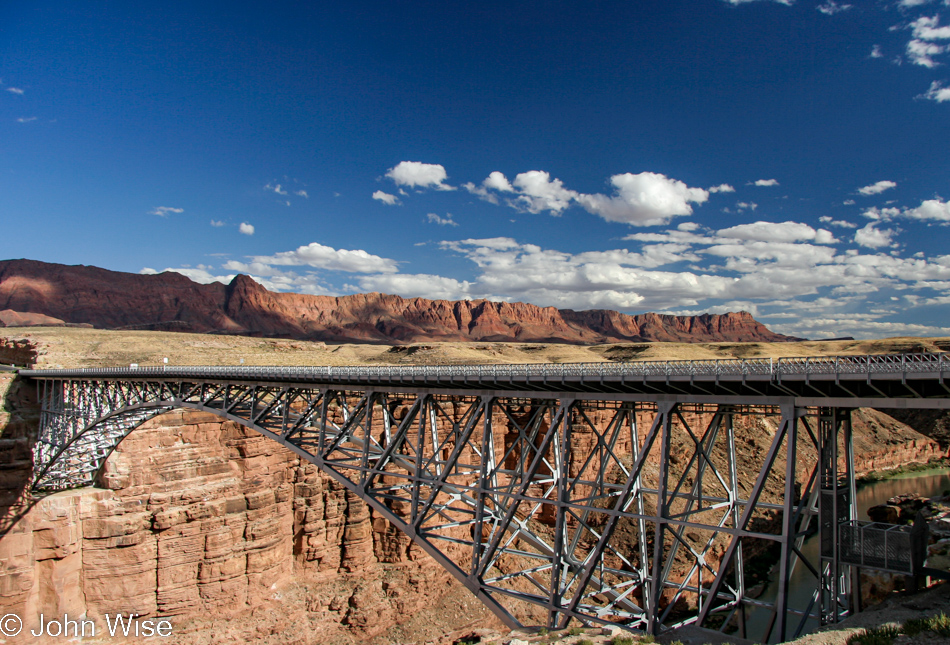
[550,507]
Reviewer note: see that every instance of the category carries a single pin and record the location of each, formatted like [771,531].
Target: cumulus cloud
[765,182]
[246,229]
[882,214]
[275,188]
[937,92]
[441,221]
[385,198]
[926,28]
[325,257]
[831,7]
[777,232]
[302,193]
[644,199]
[930,209]
[217,223]
[495,181]
[163,211]
[15,90]
[538,192]
[416,174]
[876,52]
[416,286]
[721,188]
[921,52]
[877,188]
[872,237]
[840,223]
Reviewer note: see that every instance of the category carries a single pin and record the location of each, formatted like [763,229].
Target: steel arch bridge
[606,493]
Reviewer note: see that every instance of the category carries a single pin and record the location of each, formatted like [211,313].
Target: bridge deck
[904,380]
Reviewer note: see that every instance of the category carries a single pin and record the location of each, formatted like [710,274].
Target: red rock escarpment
[170,301]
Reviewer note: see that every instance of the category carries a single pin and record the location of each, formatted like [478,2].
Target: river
[927,483]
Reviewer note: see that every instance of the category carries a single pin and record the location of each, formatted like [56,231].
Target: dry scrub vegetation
[79,347]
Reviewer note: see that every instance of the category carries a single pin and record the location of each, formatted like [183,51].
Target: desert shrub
[939,624]
[621,640]
[884,635]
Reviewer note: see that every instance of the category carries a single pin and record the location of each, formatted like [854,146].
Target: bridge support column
[836,505]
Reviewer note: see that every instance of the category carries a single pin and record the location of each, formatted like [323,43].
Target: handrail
[861,364]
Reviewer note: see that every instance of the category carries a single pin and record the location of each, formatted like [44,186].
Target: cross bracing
[614,499]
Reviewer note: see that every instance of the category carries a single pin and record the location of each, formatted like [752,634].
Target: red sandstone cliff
[170,301]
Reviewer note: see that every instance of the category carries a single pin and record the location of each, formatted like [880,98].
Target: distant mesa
[40,293]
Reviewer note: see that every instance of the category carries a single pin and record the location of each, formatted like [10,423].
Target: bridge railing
[886,547]
[816,365]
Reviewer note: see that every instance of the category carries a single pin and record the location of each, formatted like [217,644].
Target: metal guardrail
[817,365]
[886,547]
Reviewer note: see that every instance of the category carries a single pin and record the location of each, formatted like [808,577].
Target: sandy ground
[79,347]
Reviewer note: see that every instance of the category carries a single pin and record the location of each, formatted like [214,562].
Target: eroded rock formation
[170,301]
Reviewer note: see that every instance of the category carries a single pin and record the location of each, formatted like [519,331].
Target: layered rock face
[170,301]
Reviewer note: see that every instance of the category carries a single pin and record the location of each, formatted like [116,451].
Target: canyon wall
[37,293]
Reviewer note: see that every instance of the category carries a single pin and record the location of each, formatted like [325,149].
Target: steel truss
[646,514]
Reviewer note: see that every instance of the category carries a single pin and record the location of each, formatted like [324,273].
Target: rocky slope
[32,291]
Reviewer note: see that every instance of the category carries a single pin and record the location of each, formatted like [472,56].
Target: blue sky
[786,158]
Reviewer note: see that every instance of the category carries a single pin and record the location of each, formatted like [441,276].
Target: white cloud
[721,188]
[276,188]
[325,257]
[417,286]
[776,232]
[849,202]
[872,237]
[441,221]
[921,52]
[302,193]
[831,7]
[937,92]
[217,223]
[882,214]
[927,29]
[877,188]
[246,229]
[418,174]
[538,192]
[906,4]
[201,276]
[15,90]
[385,198]
[876,52]
[26,119]
[840,223]
[494,181]
[163,211]
[644,199]
[930,209]
[741,206]
[765,182]
[498,181]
